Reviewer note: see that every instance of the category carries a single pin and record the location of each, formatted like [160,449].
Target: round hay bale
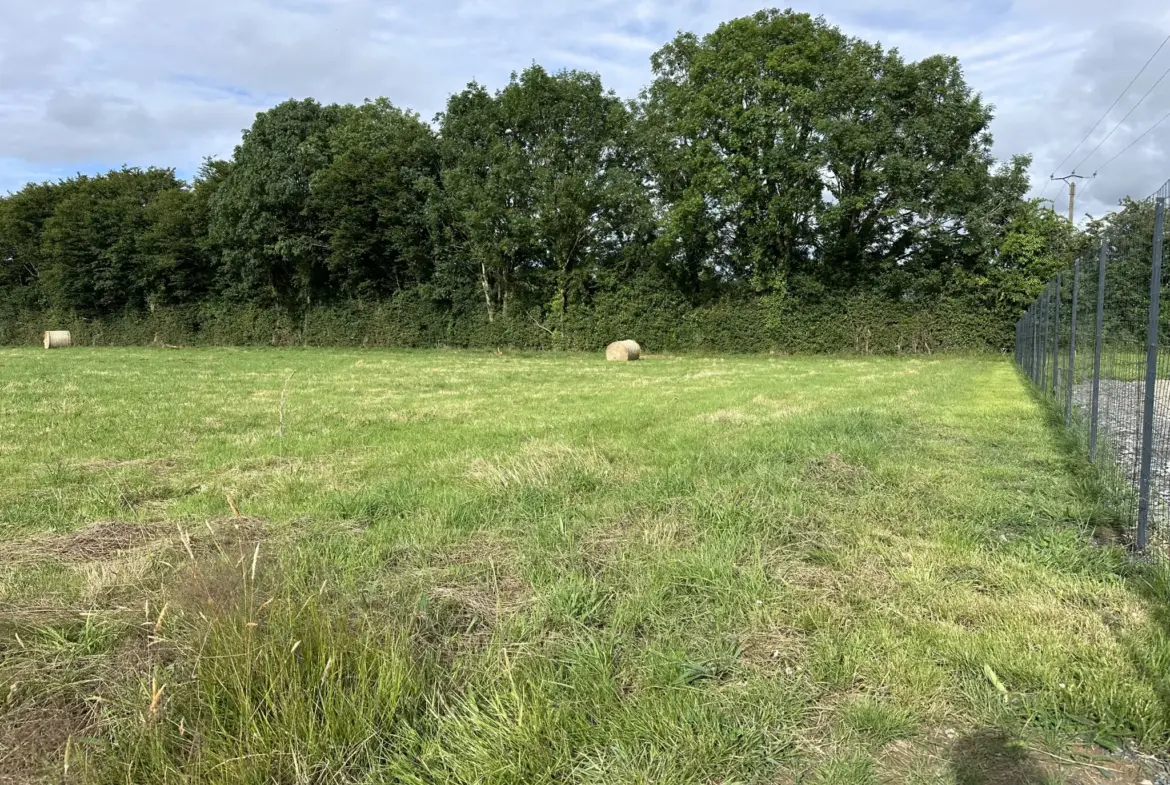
[623,351]
[58,339]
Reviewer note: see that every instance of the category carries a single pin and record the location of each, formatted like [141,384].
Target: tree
[542,181]
[22,259]
[274,246]
[906,156]
[1128,238]
[178,240]
[96,256]
[490,196]
[732,119]
[374,200]
[774,158]
[790,154]
[1035,245]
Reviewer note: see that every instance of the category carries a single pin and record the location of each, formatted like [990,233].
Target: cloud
[93,84]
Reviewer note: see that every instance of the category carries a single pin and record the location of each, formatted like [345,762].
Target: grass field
[232,566]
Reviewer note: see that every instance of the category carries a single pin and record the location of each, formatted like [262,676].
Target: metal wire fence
[1097,341]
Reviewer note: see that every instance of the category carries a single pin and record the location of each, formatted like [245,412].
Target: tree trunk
[305,322]
[487,293]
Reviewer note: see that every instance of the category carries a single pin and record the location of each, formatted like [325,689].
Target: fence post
[1096,405]
[1035,341]
[1042,358]
[1072,344]
[1056,338]
[1029,342]
[1151,378]
[1037,332]
[1038,344]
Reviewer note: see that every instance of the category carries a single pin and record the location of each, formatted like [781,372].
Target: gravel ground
[1119,429]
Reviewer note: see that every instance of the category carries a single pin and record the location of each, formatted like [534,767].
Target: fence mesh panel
[1097,342]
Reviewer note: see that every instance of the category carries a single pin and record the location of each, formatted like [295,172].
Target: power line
[1127,116]
[1134,142]
[1113,105]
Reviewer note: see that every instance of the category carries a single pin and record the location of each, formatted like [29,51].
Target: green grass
[454,567]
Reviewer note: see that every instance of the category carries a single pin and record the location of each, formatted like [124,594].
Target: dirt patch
[487,603]
[835,472]
[478,580]
[482,548]
[660,526]
[784,408]
[463,588]
[59,665]
[114,564]
[777,649]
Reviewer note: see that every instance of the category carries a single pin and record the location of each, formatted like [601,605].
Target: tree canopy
[775,157]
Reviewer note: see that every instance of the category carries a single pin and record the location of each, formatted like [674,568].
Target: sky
[89,85]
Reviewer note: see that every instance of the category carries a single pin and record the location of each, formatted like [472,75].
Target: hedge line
[863,325]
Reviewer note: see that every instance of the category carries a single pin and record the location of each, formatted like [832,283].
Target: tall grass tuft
[283,688]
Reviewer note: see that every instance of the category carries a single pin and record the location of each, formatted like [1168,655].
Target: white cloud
[90,84]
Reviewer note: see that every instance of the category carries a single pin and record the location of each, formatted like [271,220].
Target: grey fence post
[1151,379]
[1072,344]
[1041,340]
[1096,405]
[1035,341]
[1056,338]
[1042,358]
[1030,342]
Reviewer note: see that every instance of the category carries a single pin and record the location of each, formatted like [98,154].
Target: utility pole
[1071,179]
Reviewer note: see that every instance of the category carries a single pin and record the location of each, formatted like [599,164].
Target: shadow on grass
[1149,579]
[993,757]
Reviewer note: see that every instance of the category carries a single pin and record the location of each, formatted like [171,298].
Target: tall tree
[274,245]
[489,196]
[543,183]
[97,258]
[179,241]
[904,153]
[732,119]
[998,253]
[790,154]
[374,200]
[23,262]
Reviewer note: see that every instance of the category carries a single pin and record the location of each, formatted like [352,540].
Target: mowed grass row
[454,567]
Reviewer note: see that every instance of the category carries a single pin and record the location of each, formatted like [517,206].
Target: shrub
[659,320]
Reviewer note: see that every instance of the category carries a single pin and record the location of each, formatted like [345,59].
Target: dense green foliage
[775,177]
